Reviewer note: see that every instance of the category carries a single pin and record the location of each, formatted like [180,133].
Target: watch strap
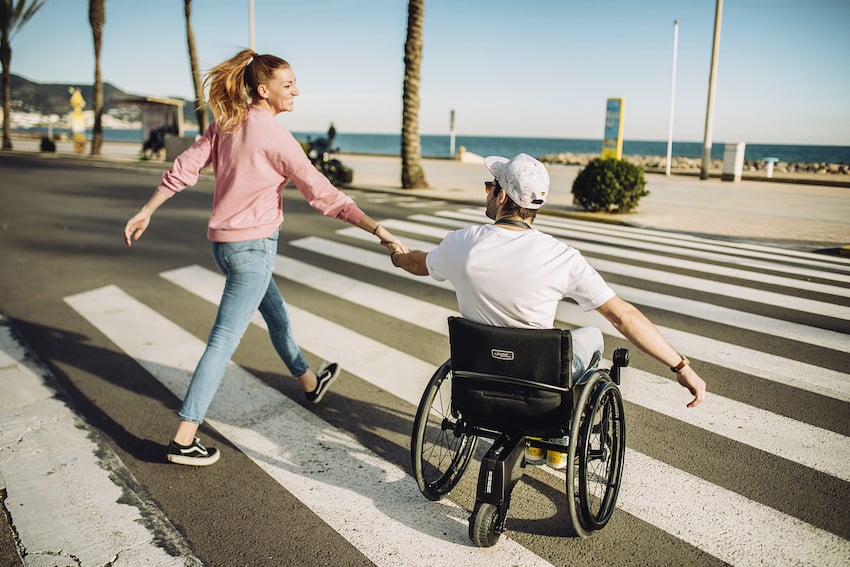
[682,363]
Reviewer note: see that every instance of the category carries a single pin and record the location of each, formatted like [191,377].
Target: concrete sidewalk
[784,212]
[72,500]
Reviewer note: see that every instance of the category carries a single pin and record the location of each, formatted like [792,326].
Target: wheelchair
[514,386]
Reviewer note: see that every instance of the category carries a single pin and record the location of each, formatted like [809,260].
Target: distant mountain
[29,96]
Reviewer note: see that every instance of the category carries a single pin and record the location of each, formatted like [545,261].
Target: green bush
[610,185]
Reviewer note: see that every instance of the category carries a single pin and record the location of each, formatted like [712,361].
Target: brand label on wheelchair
[502,354]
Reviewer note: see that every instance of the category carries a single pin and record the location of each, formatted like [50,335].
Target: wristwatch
[682,363]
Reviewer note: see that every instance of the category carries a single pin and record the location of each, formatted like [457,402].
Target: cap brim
[495,163]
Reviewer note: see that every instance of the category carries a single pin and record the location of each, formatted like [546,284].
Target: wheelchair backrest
[508,379]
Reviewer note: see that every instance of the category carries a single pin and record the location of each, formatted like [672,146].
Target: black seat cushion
[482,354]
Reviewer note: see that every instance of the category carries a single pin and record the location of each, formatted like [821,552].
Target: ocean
[438,146]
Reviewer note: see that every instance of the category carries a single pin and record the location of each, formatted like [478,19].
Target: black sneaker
[195,454]
[326,375]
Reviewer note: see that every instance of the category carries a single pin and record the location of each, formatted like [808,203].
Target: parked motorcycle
[321,156]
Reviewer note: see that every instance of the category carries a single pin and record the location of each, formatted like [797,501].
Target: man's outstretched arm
[412,261]
[635,326]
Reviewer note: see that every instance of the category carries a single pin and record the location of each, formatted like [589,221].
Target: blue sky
[540,68]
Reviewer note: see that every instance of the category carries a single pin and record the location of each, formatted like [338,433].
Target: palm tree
[13,16]
[200,110]
[97,18]
[412,174]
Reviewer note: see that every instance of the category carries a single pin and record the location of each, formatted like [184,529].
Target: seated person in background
[512,275]
[155,143]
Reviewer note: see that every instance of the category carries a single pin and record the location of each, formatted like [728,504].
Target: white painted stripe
[696,511]
[711,287]
[433,318]
[778,259]
[423,204]
[390,198]
[811,446]
[373,504]
[414,311]
[767,366]
[751,249]
[748,250]
[795,284]
[679,263]
[734,318]
[672,278]
[720,522]
[695,309]
[356,353]
[377,261]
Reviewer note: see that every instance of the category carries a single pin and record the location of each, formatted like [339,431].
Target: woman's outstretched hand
[135,227]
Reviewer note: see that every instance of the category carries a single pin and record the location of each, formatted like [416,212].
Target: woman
[253,158]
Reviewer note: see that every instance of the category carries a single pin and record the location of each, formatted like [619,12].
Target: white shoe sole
[196,461]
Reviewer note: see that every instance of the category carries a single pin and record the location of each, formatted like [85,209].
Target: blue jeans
[249,285]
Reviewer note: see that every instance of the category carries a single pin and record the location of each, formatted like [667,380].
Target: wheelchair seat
[516,381]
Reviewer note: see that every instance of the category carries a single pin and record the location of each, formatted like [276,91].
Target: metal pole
[251,24]
[672,96]
[709,113]
[452,134]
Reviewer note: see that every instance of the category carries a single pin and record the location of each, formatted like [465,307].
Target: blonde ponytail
[232,86]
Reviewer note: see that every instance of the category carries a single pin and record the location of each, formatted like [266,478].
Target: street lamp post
[672,96]
[452,134]
[251,24]
[709,113]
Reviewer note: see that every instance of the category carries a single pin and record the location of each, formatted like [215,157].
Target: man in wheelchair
[498,381]
[511,275]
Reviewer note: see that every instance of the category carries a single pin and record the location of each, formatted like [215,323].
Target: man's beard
[491,209]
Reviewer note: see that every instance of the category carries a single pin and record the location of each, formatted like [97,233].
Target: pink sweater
[252,166]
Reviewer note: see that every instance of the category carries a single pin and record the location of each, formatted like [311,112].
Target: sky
[538,68]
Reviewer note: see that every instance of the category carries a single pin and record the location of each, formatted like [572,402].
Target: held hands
[390,242]
[396,248]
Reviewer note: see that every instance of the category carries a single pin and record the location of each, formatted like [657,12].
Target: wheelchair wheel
[440,451]
[482,525]
[601,448]
[582,395]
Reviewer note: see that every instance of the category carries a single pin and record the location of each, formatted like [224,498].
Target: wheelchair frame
[444,441]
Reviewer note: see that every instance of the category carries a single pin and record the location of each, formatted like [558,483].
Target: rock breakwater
[689,164]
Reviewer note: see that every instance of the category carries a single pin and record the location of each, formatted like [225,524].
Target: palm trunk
[412,174]
[13,15]
[97,17]
[6,58]
[200,110]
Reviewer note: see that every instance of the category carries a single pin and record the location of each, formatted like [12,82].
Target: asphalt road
[758,473]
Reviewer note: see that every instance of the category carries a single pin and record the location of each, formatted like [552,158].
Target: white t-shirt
[514,278]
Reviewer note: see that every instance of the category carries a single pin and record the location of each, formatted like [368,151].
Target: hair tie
[251,60]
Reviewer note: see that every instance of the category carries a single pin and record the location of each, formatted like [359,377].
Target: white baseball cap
[523,178]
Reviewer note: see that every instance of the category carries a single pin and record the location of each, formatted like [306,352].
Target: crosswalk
[781,299]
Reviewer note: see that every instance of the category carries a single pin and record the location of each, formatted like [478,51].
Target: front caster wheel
[482,525]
